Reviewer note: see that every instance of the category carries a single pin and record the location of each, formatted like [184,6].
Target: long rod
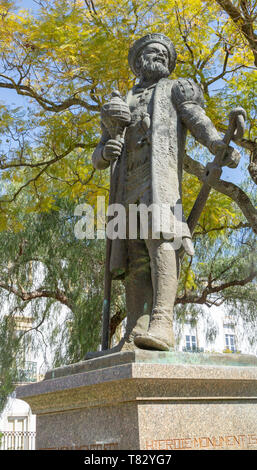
[107,288]
[206,188]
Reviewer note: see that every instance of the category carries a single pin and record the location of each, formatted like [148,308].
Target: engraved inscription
[242,441]
[95,446]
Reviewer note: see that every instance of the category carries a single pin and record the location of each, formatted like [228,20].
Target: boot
[139,294]
[159,335]
[129,345]
[125,344]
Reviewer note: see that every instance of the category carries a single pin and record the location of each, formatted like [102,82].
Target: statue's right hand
[112,150]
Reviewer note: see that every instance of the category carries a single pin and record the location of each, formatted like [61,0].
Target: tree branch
[36,294]
[45,167]
[48,105]
[116,320]
[6,166]
[202,299]
[229,189]
[204,231]
[243,21]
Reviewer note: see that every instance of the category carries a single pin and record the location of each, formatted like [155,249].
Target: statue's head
[152,56]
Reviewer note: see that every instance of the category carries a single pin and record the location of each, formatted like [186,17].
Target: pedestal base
[148,400]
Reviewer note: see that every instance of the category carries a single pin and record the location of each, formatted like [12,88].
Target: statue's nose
[161,54]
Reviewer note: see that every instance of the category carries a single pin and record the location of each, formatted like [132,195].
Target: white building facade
[216,331]
[213,331]
[17,426]
[17,423]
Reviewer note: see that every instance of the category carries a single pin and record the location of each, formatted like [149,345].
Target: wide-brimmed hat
[139,44]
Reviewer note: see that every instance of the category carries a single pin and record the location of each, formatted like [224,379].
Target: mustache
[152,68]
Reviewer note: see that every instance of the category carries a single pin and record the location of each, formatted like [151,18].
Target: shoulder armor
[187,91]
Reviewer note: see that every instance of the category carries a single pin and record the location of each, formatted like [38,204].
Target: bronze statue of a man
[147,169]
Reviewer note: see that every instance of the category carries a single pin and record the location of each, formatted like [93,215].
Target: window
[16,437]
[191,343]
[18,423]
[230,342]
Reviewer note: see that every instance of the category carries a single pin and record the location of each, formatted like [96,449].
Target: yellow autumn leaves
[65,61]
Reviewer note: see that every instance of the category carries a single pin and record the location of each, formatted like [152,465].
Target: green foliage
[67,58]
[8,368]
[223,271]
[64,62]
[46,256]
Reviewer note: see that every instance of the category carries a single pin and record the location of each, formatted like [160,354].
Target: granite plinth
[148,400]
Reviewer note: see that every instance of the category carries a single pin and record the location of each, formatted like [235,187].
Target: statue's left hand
[218,146]
[231,156]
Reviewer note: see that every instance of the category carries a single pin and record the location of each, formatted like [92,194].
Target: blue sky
[8,96]
[27,4]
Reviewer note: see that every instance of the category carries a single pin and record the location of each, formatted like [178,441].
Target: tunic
[138,142]
[151,162]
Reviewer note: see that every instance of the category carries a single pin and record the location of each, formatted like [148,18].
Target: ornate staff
[115,115]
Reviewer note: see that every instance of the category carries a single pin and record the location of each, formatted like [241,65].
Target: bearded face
[153,63]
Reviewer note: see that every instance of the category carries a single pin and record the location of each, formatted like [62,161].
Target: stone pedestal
[148,400]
